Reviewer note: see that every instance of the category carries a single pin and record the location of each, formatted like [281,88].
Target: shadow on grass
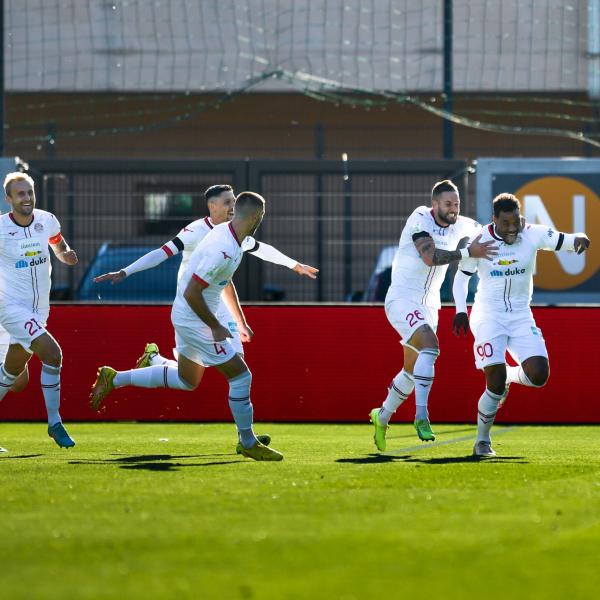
[156,462]
[374,459]
[438,434]
[8,456]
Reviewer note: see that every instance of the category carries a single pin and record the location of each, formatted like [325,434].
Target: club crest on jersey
[38,227]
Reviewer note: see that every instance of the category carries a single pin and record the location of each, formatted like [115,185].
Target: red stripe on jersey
[200,280]
[168,250]
[57,239]
[234,234]
[208,222]
[493,233]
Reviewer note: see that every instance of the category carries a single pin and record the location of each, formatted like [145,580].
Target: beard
[446,219]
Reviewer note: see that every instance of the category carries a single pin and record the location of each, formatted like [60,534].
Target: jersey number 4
[219,349]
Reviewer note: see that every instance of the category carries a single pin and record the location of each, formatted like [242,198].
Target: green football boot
[261,453]
[423,427]
[265,440]
[380,430]
[102,387]
[143,361]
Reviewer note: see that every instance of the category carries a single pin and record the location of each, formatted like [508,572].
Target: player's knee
[496,381]
[21,383]
[539,376]
[537,370]
[52,356]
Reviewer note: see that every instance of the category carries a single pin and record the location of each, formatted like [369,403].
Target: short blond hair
[16,176]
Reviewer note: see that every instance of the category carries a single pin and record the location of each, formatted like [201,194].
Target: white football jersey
[412,279]
[191,235]
[506,281]
[213,262]
[25,259]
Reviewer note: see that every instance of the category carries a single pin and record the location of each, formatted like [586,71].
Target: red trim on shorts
[208,222]
[200,280]
[168,250]
[57,239]
[234,234]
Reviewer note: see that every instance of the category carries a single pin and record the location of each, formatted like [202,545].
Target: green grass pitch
[170,511]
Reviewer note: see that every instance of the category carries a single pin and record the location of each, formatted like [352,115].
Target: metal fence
[333,215]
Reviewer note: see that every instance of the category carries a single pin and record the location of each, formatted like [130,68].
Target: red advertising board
[310,363]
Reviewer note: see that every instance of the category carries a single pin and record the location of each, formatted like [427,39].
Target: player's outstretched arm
[63,252]
[271,254]
[581,243]
[306,270]
[460,289]
[232,301]
[147,261]
[555,241]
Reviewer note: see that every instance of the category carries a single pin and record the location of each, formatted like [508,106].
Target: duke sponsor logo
[507,272]
[34,262]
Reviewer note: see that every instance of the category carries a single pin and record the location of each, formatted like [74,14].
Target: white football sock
[486,413]
[50,381]
[517,375]
[157,360]
[400,389]
[6,381]
[241,408]
[152,377]
[423,373]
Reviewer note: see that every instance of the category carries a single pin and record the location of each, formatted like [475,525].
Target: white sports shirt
[412,279]
[506,282]
[25,259]
[191,235]
[212,263]
[187,240]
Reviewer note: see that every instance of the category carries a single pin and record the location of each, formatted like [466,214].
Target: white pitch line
[426,446]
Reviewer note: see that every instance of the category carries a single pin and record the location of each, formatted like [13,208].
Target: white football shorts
[496,334]
[195,343]
[22,324]
[406,317]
